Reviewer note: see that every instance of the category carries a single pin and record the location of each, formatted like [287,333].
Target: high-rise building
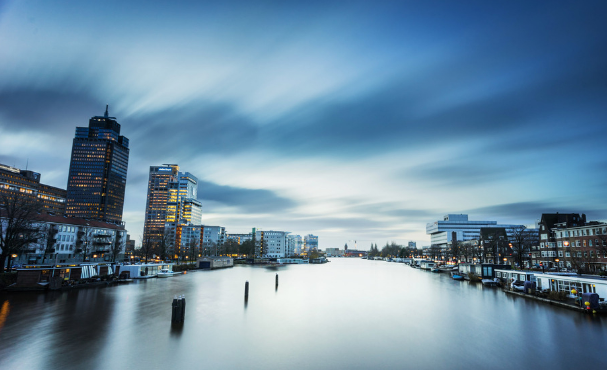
[27,184]
[171,201]
[98,168]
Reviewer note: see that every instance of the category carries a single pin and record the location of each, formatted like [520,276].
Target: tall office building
[97,177]
[171,201]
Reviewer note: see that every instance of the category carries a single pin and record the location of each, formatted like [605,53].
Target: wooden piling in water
[276,280]
[178,306]
[246,291]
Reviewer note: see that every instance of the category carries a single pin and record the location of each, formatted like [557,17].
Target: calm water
[348,314]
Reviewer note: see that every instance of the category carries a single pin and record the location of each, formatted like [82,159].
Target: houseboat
[143,271]
[212,263]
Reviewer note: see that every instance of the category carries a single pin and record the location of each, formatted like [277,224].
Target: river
[347,314]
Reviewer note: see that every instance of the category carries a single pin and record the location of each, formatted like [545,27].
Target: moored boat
[165,273]
[455,275]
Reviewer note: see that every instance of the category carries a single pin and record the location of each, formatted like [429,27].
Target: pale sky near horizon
[350,120]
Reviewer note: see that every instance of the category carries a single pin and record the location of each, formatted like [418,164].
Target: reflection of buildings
[27,184]
[441,231]
[98,168]
[172,208]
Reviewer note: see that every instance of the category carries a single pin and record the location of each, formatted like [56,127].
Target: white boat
[491,282]
[165,273]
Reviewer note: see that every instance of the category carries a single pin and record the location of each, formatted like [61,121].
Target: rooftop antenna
[106,111]
[27,163]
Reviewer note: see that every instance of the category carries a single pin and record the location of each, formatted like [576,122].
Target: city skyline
[348,121]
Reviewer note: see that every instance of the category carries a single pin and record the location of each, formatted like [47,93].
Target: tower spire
[106,111]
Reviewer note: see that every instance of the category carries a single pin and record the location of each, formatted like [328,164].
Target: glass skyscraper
[98,168]
[171,202]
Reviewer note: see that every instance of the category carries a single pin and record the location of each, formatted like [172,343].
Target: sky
[351,120]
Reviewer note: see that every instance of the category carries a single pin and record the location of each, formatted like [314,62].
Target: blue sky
[350,120]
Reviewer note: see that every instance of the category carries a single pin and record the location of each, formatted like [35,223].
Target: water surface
[347,314]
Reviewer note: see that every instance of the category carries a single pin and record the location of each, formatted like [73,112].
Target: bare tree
[17,225]
[522,240]
[50,238]
[147,247]
[84,243]
[164,245]
[193,247]
[116,246]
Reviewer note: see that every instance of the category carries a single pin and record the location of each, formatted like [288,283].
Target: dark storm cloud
[248,200]
[529,210]
[49,110]
[197,128]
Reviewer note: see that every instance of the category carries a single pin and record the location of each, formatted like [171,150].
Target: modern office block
[98,171]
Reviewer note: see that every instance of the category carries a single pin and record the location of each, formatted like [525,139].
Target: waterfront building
[171,202]
[334,252]
[27,184]
[441,232]
[239,238]
[295,244]
[213,237]
[581,248]
[549,252]
[98,171]
[271,243]
[311,243]
[412,245]
[67,239]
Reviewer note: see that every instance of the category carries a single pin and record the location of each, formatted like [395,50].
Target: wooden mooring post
[178,309]
[246,291]
[276,280]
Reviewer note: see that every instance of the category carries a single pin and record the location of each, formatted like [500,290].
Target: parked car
[563,269]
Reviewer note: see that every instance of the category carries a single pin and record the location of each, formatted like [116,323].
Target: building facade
[441,232]
[311,243]
[67,239]
[271,243]
[98,171]
[171,203]
[582,248]
[27,184]
[213,237]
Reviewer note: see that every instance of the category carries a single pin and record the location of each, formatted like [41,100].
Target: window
[567,254]
[560,253]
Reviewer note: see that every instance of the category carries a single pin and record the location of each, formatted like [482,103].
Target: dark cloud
[248,200]
[461,172]
[528,211]
[53,110]
[196,128]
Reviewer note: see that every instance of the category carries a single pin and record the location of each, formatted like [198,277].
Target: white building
[272,244]
[295,244]
[441,231]
[73,239]
[212,238]
[239,238]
